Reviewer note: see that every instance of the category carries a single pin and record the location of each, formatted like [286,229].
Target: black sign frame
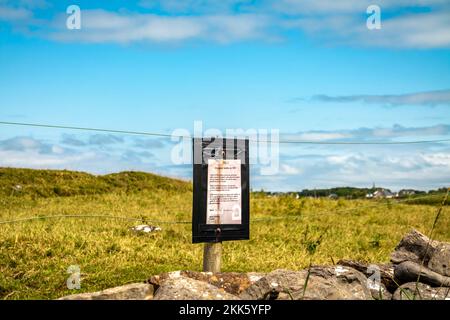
[218,148]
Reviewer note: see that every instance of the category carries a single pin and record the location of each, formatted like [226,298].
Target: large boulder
[183,288]
[418,248]
[133,291]
[333,283]
[419,258]
[420,291]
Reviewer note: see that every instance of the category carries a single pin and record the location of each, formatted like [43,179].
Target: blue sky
[311,69]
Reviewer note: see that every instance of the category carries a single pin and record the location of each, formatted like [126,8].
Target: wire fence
[156,134]
[144,219]
[167,135]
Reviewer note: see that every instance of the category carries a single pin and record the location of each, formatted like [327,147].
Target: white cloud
[30,4]
[420,166]
[390,168]
[284,6]
[286,169]
[437,159]
[398,131]
[326,7]
[320,136]
[323,6]
[427,98]
[14,14]
[394,133]
[420,30]
[21,143]
[339,159]
[34,159]
[331,21]
[100,26]
[105,139]
[344,22]
[328,21]
[425,30]
[416,166]
[193,6]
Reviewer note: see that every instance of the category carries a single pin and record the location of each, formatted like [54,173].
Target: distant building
[383,193]
[389,195]
[406,192]
[333,196]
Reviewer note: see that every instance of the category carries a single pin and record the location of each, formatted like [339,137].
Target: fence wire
[166,135]
[144,219]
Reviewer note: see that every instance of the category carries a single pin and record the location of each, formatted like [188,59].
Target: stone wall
[419,269]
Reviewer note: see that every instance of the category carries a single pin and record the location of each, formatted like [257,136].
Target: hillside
[51,183]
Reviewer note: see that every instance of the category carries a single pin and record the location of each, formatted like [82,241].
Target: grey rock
[381,294]
[133,291]
[415,247]
[378,290]
[417,255]
[409,271]
[334,283]
[440,260]
[231,282]
[386,272]
[418,248]
[420,291]
[184,288]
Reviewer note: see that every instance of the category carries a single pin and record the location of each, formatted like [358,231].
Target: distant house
[389,195]
[333,196]
[406,192]
[383,193]
[378,194]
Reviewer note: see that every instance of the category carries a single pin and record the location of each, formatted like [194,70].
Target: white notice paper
[224,192]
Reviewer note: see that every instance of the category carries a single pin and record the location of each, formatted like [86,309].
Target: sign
[221,190]
[224,192]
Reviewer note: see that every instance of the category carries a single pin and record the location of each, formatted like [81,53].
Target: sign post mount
[221,195]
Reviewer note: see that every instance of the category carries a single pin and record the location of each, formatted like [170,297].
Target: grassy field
[285,232]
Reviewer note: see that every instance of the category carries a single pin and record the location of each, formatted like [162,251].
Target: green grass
[35,255]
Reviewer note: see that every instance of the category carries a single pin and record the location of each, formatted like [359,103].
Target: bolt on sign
[221,209]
